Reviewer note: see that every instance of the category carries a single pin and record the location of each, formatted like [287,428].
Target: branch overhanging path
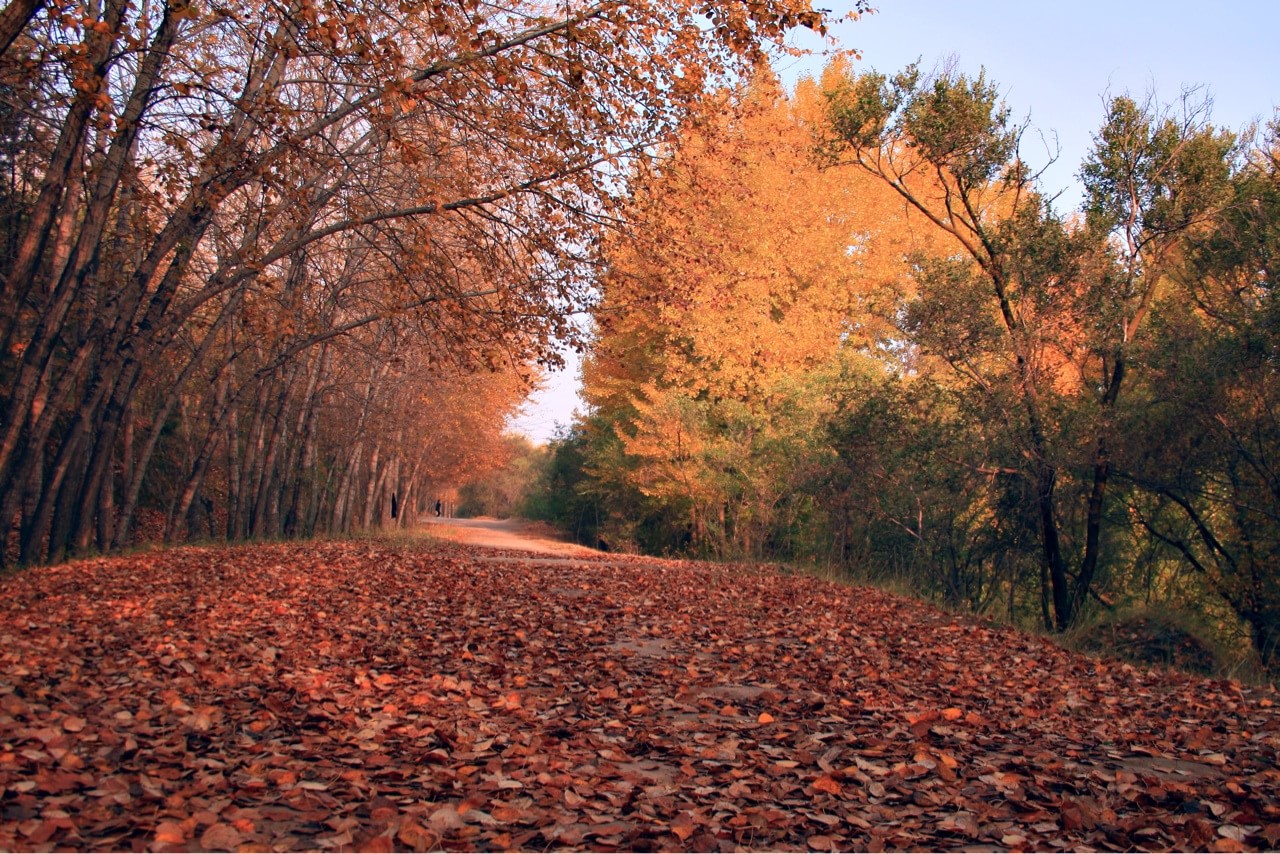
[425,693]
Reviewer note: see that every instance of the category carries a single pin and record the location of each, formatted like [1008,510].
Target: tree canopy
[849,327]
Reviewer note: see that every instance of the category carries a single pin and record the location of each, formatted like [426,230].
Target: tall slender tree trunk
[262,517]
[345,488]
[1097,492]
[55,198]
[371,488]
[40,348]
[222,409]
[308,422]
[103,444]
[232,439]
[137,472]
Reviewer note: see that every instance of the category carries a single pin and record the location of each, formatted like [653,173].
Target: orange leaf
[378,845]
[682,826]
[416,837]
[923,717]
[170,833]
[827,784]
[952,714]
[506,812]
[765,718]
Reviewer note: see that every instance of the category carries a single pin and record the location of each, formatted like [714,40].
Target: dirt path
[514,534]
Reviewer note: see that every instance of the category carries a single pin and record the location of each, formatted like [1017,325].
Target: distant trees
[220,219]
[851,329]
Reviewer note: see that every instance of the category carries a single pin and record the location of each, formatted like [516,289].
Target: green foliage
[924,494]
[1151,175]
[1160,636]
[959,123]
[555,496]
[1207,449]
[954,121]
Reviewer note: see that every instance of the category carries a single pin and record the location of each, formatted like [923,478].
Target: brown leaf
[1271,833]
[682,826]
[445,819]
[416,837]
[220,836]
[378,845]
[506,813]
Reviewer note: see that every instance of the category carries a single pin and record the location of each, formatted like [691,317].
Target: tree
[746,283]
[1036,315]
[1206,448]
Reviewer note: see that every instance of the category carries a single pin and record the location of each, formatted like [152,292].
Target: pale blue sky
[1053,61]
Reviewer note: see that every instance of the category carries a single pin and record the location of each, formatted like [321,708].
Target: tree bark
[14,19]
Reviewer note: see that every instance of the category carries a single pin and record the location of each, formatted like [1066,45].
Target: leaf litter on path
[392,696]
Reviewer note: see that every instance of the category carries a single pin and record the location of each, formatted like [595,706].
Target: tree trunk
[233,471]
[103,450]
[308,423]
[262,517]
[376,475]
[222,408]
[136,474]
[338,524]
[14,19]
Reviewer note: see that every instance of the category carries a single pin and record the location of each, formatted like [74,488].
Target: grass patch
[1155,637]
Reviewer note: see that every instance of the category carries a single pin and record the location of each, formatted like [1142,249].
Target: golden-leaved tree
[746,287]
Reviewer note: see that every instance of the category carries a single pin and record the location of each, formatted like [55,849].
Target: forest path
[421,693]
[518,535]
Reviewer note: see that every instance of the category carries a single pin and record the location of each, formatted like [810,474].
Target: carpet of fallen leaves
[380,696]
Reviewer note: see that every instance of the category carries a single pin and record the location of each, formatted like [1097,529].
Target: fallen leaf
[170,833]
[445,819]
[416,837]
[827,784]
[682,826]
[221,837]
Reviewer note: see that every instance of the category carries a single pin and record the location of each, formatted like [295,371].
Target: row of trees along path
[254,253]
